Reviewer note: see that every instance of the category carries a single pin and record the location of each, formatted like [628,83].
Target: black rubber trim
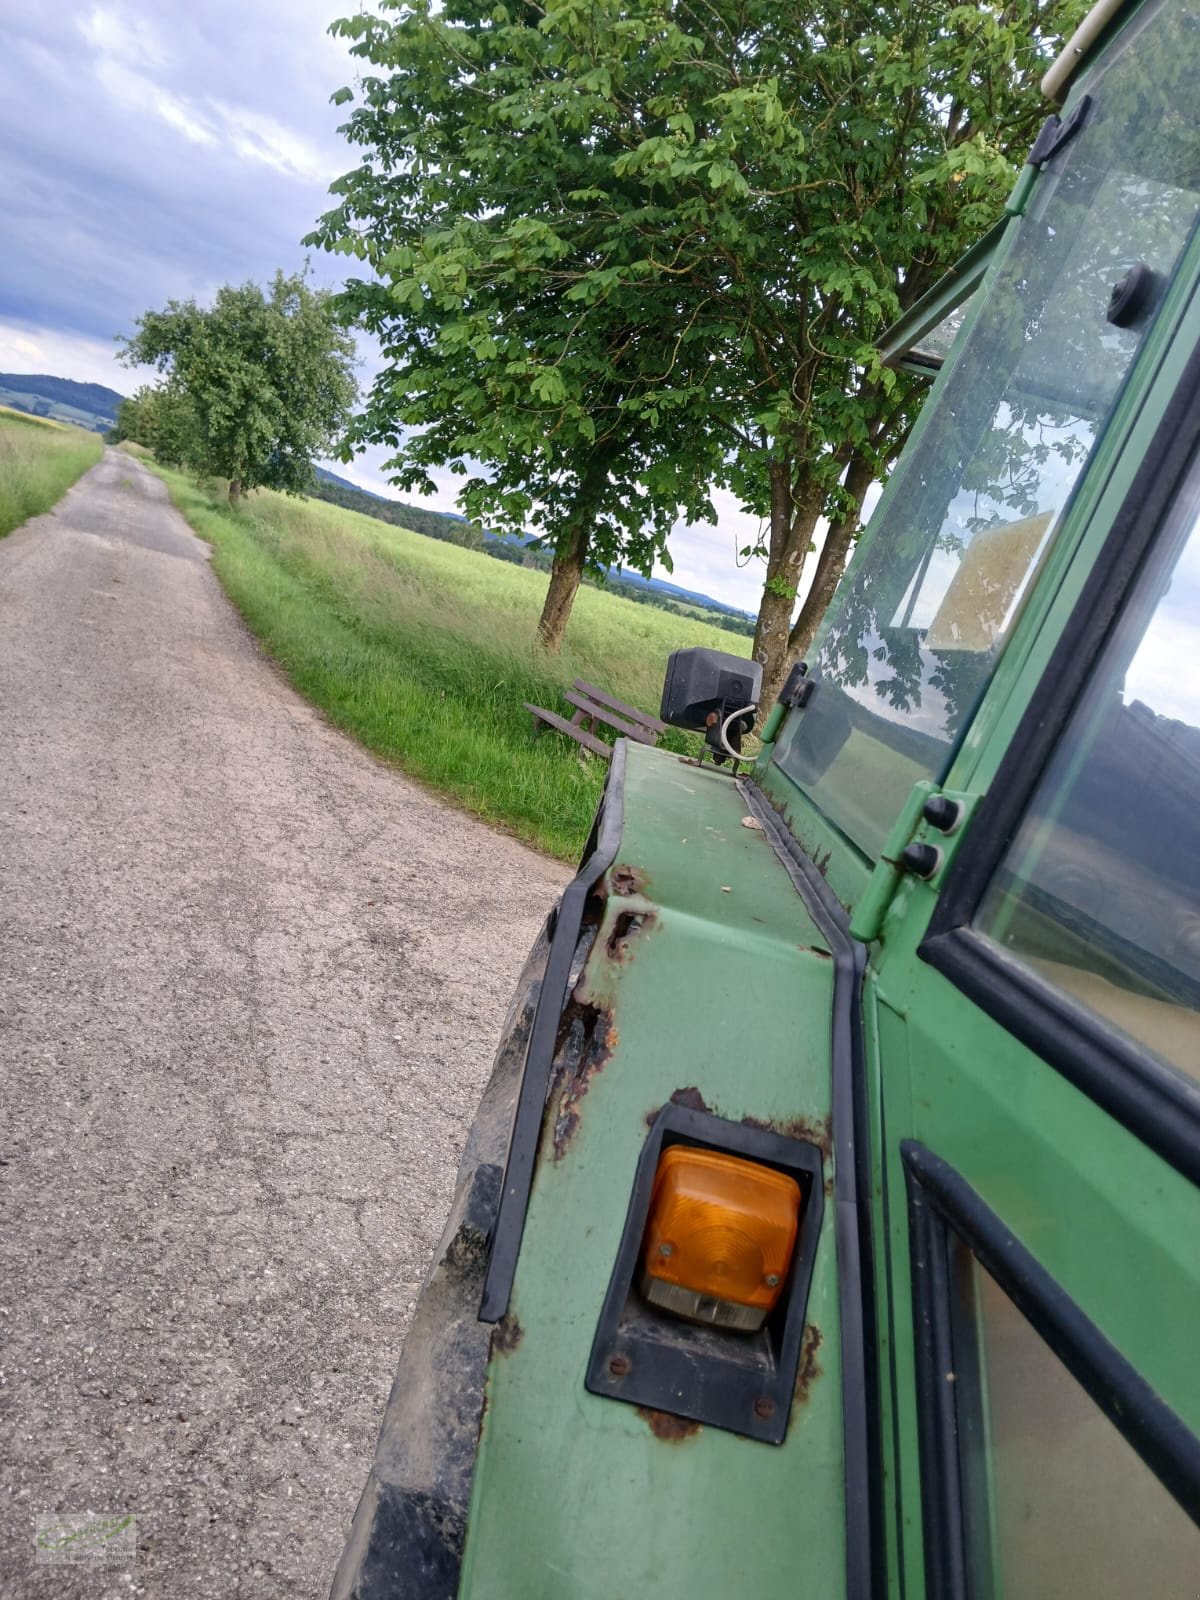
[567,919]
[1168,1447]
[865,1560]
[937,1436]
[735,1381]
[1162,1109]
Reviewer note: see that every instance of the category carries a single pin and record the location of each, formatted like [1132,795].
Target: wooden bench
[592,707]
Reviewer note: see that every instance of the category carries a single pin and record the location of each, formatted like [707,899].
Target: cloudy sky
[155,150]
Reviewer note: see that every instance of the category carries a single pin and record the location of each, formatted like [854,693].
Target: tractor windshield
[917,626]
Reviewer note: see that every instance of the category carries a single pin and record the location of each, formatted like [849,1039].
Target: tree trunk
[770,641]
[889,428]
[235,491]
[831,563]
[793,518]
[565,578]
[570,554]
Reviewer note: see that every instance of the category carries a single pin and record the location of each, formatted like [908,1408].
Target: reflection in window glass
[1100,890]
[1058,1505]
[915,630]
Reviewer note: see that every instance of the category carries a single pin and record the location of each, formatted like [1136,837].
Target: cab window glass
[915,630]
[929,352]
[1058,1505]
[1099,892]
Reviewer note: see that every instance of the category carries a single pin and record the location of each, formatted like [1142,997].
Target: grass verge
[39,461]
[425,652]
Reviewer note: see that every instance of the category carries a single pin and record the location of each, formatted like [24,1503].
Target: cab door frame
[1155,1103]
[926,1193]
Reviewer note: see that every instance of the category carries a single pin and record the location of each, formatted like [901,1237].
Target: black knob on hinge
[922,860]
[1132,297]
[941,813]
[797,689]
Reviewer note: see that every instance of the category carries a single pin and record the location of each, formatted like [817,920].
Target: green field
[39,461]
[425,652]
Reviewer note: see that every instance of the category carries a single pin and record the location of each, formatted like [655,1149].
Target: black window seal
[1157,1105]
[941,1201]
[937,1418]
[853,1182]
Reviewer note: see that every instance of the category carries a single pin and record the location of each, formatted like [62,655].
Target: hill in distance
[87,405]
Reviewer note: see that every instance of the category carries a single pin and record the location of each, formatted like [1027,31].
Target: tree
[256,386]
[628,249]
[162,418]
[478,216]
[131,419]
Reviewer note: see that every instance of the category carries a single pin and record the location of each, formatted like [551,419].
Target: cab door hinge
[797,691]
[923,839]
[1057,131]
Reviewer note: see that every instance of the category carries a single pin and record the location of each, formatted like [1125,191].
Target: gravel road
[250,985]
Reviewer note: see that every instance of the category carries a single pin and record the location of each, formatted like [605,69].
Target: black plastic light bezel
[723,1379]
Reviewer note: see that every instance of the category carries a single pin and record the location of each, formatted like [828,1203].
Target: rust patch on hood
[819,1133]
[586,1044]
[627,880]
[810,1368]
[814,1131]
[483,1411]
[689,1097]
[507,1334]
[627,925]
[663,1425]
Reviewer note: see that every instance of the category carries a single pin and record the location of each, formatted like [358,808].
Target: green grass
[425,652]
[39,461]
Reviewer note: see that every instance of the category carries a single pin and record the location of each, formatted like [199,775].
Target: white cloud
[114,33]
[256,137]
[366,470]
[133,91]
[1158,674]
[134,69]
[707,557]
[65,355]
[184,118]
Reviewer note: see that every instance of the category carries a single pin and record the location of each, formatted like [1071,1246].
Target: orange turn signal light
[719,1237]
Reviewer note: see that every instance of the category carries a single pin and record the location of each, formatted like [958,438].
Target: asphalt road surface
[250,985]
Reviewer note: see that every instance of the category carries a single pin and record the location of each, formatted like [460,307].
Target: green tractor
[830,1225]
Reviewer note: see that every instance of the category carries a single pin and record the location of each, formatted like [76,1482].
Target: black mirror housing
[700,682]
